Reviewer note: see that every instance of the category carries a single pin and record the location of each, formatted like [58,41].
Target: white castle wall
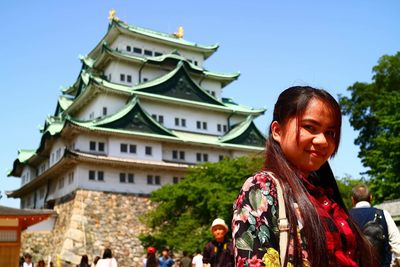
[94,109]
[122,42]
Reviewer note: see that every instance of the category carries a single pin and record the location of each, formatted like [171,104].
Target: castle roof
[176,86]
[118,27]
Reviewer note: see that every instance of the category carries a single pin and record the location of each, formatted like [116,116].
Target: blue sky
[274,44]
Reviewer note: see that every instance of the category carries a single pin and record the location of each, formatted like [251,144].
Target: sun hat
[151,250]
[221,222]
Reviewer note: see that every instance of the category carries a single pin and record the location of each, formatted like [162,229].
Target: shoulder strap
[283,223]
[378,216]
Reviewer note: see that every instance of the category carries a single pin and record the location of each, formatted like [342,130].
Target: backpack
[374,231]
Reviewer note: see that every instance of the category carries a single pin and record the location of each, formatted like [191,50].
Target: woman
[84,261]
[304,134]
[107,260]
[41,263]
[151,259]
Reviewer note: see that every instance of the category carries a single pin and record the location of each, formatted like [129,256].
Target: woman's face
[316,142]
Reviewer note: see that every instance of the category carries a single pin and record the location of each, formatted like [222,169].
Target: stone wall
[88,222]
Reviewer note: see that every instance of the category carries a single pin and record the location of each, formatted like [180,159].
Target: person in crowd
[185,260]
[84,261]
[197,260]
[219,251]
[95,260]
[41,263]
[362,213]
[165,260]
[291,213]
[107,260]
[28,261]
[151,259]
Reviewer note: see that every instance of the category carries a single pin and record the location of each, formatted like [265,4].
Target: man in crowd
[363,214]
[219,251]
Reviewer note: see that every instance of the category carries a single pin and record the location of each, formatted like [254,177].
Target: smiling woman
[304,134]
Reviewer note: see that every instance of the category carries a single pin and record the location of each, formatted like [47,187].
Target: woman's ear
[276,131]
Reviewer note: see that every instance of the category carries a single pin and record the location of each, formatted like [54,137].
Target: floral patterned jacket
[255,229]
[254,224]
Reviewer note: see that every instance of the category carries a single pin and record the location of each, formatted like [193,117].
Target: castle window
[175,180]
[198,156]
[124,148]
[145,79]
[61,183]
[157,54]
[161,119]
[101,146]
[176,121]
[92,146]
[225,128]
[157,180]
[174,154]
[129,78]
[198,124]
[154,116]
[204,125]
[182,155]
[205,157]
[104,111]
[70,177]
[122,177]
[92,175]
[148,150]
[137,50]
[212,93]
[148,52]
[218,127]
[183,122]
[132,149]
[195,62]
[128,48]
[131,178]
[150,179]
[221,157]
[122,77]
[100,175]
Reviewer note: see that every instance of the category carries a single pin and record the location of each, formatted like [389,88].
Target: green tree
[185,210]
[374,112]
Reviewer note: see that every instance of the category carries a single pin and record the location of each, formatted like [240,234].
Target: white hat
[219,221]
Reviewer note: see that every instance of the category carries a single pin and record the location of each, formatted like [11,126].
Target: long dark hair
[292,103]
[107,254]
[151,260]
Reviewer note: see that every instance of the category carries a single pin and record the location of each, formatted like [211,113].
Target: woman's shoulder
[262,178]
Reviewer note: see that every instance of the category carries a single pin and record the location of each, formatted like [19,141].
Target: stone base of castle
[88,222]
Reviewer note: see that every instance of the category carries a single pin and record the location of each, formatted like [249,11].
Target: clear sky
[274,44]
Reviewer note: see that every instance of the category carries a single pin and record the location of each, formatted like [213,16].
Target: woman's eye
[331,133]
[310,128]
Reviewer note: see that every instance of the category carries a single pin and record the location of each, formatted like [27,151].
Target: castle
[142,110]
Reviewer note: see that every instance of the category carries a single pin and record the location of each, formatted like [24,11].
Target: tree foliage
[345,185]
[374,112]
[185,210]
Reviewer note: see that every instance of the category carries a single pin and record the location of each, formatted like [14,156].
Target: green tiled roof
[162,36]
[91,63]
[131,118]
[179,84]
[244,133]
[25,154]
[142,90]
